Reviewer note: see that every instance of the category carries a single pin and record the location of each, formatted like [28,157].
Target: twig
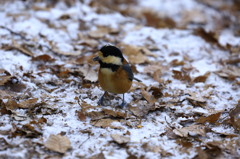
[84,141]
[15,33]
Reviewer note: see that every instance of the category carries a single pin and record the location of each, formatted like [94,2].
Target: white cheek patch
[112,60]
[106,71]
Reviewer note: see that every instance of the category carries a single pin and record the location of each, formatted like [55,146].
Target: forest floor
[186,53]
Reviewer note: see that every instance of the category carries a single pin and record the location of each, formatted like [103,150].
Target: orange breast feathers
[115,82]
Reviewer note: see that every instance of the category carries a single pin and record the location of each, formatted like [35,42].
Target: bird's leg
[100,102]
[123,102]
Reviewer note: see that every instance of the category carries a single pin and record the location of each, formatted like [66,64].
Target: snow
[154,123]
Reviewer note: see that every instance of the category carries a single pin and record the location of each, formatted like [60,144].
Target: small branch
[15,33]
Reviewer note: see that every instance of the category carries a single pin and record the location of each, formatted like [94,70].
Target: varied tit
[115,74]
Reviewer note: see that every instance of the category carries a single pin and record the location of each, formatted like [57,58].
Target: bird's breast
[114,81]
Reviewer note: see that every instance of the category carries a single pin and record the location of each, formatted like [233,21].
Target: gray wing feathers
[127,68]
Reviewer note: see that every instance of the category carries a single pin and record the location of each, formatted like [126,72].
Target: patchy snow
[65,97]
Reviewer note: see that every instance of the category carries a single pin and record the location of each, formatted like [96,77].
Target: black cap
[111,50]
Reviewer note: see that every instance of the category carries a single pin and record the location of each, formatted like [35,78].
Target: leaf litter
[185,53]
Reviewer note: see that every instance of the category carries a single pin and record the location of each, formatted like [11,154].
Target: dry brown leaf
[20,47]
[156,149]
[4,80]
[142,108]
[153,19]
[89,74]
[30,103]
[98,156]
[45,58]
[176,62]
[114,113]
[210,37]
[193,16]
[211,118]
[89,42]
[94,115]
[11,104]
[85,106]
[196,99]
[58,143]
[104,123]
[81,115]
[5,76]
[134,53]
[120,139]
[202,78]
[230,72]
[181,75]
[99,33]
[149,97]
[191,130]
[235,117]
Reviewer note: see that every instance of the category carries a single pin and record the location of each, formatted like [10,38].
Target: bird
[115,74]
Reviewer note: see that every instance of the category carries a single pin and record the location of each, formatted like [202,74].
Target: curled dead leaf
[120,139]
[58,143]
[5,77]
[235,117]
[89,74]
[30,103]
[230,72]
[191,130]
[45,58]
[20,47]
[104,123]
[134,53]
[202,78]
[196,99]
[211,118]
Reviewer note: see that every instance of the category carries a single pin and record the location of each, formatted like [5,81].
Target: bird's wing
[128,69]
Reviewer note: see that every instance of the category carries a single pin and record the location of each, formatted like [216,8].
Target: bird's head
[110,54]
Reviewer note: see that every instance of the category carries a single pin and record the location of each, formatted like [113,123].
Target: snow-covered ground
[169,113]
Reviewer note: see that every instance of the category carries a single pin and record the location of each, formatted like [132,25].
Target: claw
[123,103]
[100,102]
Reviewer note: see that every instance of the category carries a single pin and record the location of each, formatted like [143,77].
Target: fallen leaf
[89,74]
[120,139]
[114,113]
[45,58]
[156,149]
[20,47]
[181,75]
[81,115]
[98,156]
[153,19]
[211,118]
[210,37]
[235,117]
[196,99]
[30,103]
[5,77]
[104,123]
[191,130]
[99,32]
[134,53]
[4,144]
[230,72]
[58,143]
[202,78]
[150,98]
[176,62]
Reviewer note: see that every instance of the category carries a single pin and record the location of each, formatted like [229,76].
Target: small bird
[115,74]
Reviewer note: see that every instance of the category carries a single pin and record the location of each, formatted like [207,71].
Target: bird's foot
[100,102]
[124,104]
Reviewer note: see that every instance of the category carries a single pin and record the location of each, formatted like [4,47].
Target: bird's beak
[96,58]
